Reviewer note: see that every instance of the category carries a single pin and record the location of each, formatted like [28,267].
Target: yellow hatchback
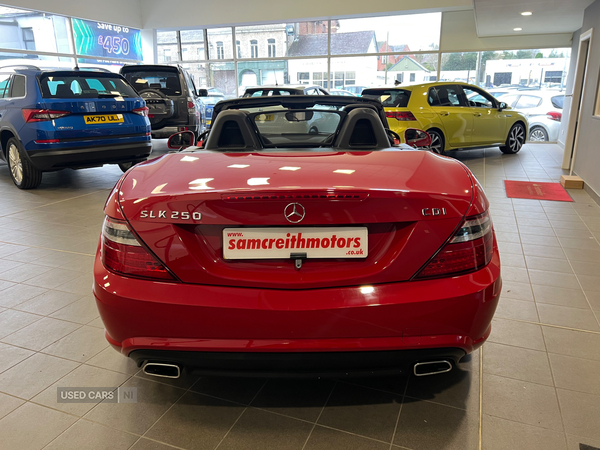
[456,115]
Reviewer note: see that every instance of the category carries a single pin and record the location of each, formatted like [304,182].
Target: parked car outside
[444,110]
[57,119]
[208,104]
[356,90]
[172,98]
[342,92]
[278,251]
[543,110]
[284,89]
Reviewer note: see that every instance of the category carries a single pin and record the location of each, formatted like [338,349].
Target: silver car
[543,110]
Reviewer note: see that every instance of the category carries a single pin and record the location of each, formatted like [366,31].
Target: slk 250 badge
[174,215]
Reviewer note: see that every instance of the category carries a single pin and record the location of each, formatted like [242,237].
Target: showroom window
[501,70]
[353,54]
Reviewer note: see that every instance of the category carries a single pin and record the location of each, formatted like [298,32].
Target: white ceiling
[500,17]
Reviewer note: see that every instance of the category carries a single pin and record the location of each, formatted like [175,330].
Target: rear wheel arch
[5,135]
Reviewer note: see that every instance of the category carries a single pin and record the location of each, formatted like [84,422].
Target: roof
[407,64]
[341,43]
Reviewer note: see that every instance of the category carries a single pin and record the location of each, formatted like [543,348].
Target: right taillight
[400,115]
[41,115]
[554,115]
[122,253]
[143,111]
[470,249]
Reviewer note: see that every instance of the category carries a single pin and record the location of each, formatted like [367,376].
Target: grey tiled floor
[536,378]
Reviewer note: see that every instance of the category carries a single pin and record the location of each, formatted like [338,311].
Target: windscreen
[166,81]
[390,98]
[295,128]
[84,85]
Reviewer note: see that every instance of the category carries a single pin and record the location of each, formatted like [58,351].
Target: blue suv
[56,119]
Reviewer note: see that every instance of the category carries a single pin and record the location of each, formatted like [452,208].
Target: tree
[460,61]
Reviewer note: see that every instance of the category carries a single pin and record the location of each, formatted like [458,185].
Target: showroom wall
[587,160]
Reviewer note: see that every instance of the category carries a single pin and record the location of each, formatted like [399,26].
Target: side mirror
[502,106]
[181,140]
[202,93]
[417,138]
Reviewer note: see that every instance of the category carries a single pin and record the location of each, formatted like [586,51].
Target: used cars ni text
[274,249]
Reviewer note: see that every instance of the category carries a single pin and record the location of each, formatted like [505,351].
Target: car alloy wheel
[15,163]
[538,134]
[515,139]
[437,142]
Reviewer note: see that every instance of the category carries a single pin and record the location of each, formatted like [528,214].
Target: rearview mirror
[502,106]
[202,92]
[417,138]
[298,116]
[181,140]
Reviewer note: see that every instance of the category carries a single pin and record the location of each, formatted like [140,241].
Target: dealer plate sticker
[104,118]
[280,243]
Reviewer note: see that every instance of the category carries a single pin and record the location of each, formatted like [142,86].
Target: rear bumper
[448,314]
[80,157]
[298,364]
[166,132]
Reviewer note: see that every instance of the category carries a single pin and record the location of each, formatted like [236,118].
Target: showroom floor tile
[534,384]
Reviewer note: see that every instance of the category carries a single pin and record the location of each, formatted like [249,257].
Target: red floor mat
[536,191]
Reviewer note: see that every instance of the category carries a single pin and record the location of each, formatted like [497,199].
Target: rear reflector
[40,115]
[122,253]
[47,141]
[400,115]
[554,115]
[143,111]
[469,250]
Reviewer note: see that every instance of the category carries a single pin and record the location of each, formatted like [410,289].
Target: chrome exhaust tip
[162,370]
[431,368]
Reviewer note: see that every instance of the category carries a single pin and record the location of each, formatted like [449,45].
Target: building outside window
[238,48]
[220,51]
[254,48]
[271,43]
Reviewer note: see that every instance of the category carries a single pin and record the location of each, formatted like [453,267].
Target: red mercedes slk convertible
[297,239]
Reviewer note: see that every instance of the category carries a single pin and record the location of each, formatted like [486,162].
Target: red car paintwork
[269,306]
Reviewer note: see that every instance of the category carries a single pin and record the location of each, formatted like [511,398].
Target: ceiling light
[238,166]
[526,13]
[517,29]
[346,171]
[290,168]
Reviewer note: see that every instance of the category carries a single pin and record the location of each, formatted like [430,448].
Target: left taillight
[469,250]
[400,115]
[122,253]
[41,115]
[143,111]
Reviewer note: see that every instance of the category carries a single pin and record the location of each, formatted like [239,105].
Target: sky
[418,31]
